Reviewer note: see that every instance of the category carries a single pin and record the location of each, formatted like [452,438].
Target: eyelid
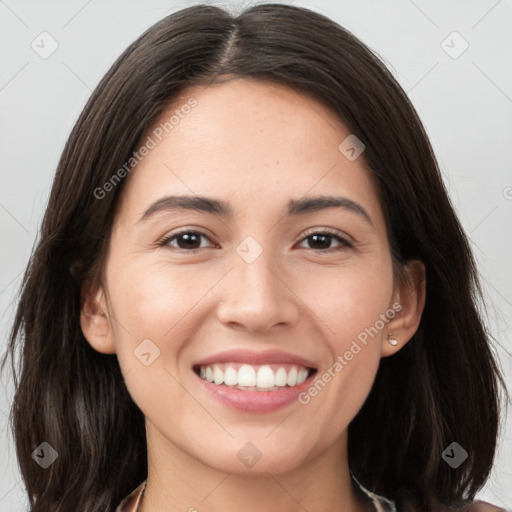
[327,231]
[164,241]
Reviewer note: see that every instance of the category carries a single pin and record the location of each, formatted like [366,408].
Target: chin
[250,460]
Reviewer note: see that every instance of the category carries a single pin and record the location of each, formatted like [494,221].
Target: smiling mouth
[249,377]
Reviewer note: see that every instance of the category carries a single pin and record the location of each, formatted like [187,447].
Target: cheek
[150,308]
[151,297]
[348,299]
[149,304]
[350,304]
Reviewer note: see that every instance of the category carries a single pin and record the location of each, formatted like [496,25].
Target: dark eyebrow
[222,208]
[196,203]
[312,204]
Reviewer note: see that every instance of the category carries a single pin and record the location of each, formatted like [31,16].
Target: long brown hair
[443,386]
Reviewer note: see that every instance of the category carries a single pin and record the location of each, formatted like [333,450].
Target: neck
[177,481]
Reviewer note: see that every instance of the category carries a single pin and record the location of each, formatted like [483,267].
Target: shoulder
[483,506]
[131,501]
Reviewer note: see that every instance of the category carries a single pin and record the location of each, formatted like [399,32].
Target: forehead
[252,143]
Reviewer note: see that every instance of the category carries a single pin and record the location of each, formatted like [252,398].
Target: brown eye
[190,241]
[321,240]
[186,240]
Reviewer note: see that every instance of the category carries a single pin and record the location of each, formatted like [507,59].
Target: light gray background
[465,104]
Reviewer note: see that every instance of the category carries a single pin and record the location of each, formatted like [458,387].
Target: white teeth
[246,376]
[230,376]
[302,376]
[280,377]
[265,378]
[254,378]
[291,379]
[218,375]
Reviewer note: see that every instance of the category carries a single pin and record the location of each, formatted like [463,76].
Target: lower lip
[255,401]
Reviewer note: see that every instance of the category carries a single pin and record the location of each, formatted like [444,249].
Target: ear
[408,301]
[94,319]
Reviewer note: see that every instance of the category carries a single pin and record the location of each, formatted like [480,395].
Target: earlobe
[410,295]
[94,320]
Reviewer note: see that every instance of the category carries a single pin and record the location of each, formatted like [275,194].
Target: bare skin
[256,146]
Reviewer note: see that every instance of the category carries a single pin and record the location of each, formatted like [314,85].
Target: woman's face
[253,279]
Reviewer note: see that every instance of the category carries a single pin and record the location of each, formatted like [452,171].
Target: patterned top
[131,502]
[380,503]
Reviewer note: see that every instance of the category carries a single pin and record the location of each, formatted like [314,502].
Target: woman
[187,341]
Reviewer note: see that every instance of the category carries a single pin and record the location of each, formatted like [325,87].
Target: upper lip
[274,356]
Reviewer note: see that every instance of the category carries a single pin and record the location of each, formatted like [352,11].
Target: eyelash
[325,231]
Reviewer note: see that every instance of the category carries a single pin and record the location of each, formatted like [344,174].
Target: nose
[257,297]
